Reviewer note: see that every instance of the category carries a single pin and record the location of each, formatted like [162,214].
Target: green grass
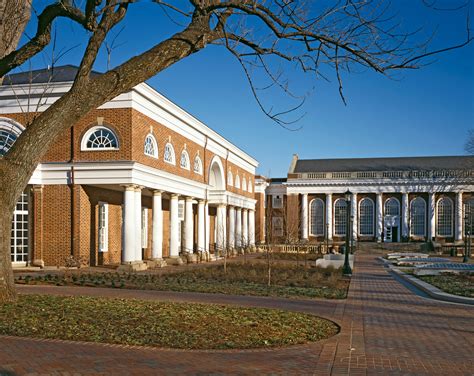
[456,284]
[289,281]
[161,324]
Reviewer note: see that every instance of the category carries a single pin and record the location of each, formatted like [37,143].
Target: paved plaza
[385,329]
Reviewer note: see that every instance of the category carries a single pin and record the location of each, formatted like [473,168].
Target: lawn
[457,284]
[160,324]
[249,278]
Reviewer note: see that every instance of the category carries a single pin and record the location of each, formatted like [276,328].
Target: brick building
[391,200]
[135,181]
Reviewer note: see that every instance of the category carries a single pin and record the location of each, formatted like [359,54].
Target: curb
[430,290]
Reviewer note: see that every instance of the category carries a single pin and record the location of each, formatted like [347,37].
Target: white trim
[103,231]
[91,131]
[451,233]
[170,146]
[199,161]
[187,164]
[155,146]
[359,216]
[424,217]
[311,217]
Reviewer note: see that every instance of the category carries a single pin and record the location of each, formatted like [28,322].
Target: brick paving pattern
[385,329]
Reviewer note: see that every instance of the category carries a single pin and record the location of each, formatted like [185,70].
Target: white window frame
[154,145]
[277,201]
[411,217]
[169,147]
[372,219]
[187,163]
[91,131]
[20,216]
[230,179]
[250,187]
[11,130]
[237,181]
[144,227]
[313,220]
[343,221]
[450,216]
[387,201]
[103,226]
[244,184]
[198,163]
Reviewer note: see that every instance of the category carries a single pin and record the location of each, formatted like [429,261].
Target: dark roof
[278,180]
[384,164]
[63,73]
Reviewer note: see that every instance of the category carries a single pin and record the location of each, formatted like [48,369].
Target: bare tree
[322,41]
[469,146]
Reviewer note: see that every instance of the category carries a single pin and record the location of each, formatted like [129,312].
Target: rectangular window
[144,228]
[19,234]
[277,202]
[181,210]
[103,227]
[277,226]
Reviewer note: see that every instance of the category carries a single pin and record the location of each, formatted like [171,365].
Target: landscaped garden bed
[249,278]
[161,324]
[456,284]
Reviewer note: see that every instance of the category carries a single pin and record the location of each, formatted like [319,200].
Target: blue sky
[422,112]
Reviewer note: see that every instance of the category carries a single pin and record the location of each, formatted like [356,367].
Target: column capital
[128,187]
[174,195]
[138,188]
[202,202]
[222,206]
[188,198]
[37,188]
[157,192]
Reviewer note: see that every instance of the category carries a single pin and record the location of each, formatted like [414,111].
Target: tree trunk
[7,284]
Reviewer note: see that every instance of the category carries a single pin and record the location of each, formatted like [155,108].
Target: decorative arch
[418,217]
[237,181]
[316,208]
[216,174]
[184,160]
[250,186]
[366,217]
[340,217]
[151,146]
[230,178]
[197,165]
[99,137]
[444,217]
[169,155]
[392,206]
[10,130]
[244,184]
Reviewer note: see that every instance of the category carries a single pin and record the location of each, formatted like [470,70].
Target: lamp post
[346,269]
[352,234]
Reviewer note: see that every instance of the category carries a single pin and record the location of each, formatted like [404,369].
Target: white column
[379,217]
[129,224]
[245,227]
[157,230]
[188,225]
[174,226]
[458,219]
[208,227]
[329,216]
[221,227]
[138,223]
[304,216]
[252,228]
[201,232]
[238,227]
[354,212]
[431,217]
[405,217]
[231,227]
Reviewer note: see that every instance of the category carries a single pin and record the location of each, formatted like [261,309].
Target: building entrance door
[19,237]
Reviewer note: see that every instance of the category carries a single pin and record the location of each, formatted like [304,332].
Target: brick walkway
[385,330]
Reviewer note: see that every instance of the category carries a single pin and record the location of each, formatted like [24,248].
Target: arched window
[244,184]
[250,186]
[197,165]
[169,156]
[316,217]
[340,217]
[184,160]
[444,215]
[366,217]
[418,217]
[230,178]
[469,216]
[100,138]
[237,182]
[392,207]
[9,132]
[151,147]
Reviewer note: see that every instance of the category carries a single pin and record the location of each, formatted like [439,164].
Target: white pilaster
[245,228]
[138,223]
[354,214]
[431,217]
[238,227]
[405,217]
[379,217]
[304,216]
[252,228]
[201,231]
[174,226]
[129,224]
[329,216]
[231,227]
[458,219]
[208,227]
[157,230]
[188,225]
[221,227]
